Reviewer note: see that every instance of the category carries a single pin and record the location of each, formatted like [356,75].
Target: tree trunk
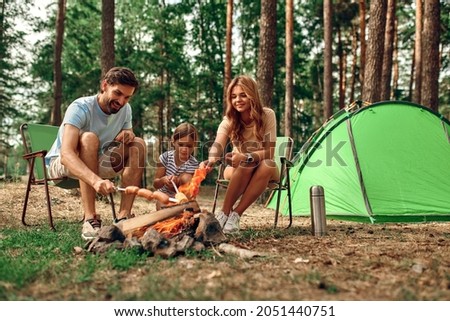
[107,55]
[395,69]
[57,68]
[227,78]
[2,28]
[354,64]
[374,59]
[362,27]
[418,53]
[388,51]
[266,50]
[289,68]
[342,67]
[327,72]
[430,55]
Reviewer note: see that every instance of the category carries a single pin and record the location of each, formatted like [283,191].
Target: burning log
[132,224]
[151,240]
[184,243]
[166,233]
[175,225]
[209,229]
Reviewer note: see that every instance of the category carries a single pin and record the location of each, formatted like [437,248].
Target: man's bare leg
[88,152]
[134,158]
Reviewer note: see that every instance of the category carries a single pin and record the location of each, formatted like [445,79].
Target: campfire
[171,231]
[180,225]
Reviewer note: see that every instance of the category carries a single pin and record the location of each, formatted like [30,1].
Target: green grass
[41,255]
[38,258]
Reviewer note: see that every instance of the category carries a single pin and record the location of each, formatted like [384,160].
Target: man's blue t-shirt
[86,114]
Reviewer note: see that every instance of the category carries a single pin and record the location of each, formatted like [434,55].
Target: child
[177,165]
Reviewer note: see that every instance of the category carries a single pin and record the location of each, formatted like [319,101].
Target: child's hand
[167,182]
[175,179]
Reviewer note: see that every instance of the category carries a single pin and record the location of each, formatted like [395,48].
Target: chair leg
[27,194]
[49,207]
[47,193]
[216,194]
[277,210]
[288,184]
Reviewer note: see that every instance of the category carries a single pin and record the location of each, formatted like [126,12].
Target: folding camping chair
[37,140]
[283,153]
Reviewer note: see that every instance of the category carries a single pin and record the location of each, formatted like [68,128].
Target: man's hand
[104,186]
[125,137]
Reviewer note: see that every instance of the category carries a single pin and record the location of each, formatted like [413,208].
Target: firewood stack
[166,233]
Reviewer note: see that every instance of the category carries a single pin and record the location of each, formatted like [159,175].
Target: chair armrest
[39,153]
[286,162]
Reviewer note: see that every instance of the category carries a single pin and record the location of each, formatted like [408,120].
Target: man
[96,142]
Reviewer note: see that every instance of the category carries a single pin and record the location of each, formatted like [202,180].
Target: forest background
[310,58]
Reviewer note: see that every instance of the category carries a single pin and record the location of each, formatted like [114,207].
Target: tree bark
[327,72]
[289,68]
[430,55]
[374,59]
[417,71]
[228,41]
[342,69]
[266,51]
[395,69]
[57,67]
[107,54]
[388,51]
[354,64]
[362,27]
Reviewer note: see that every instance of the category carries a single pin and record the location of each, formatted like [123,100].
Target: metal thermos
[318,215]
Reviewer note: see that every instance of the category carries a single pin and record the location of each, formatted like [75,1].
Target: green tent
[385,162]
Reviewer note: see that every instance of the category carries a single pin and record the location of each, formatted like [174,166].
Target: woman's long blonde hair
[250,88]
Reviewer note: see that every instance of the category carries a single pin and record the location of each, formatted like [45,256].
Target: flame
[192,188]
[175,225]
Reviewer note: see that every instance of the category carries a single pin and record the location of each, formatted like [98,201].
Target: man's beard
[110,107]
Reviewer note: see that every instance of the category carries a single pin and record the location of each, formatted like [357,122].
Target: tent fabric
[385,162]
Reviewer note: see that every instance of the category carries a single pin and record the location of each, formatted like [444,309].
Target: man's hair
[122,76]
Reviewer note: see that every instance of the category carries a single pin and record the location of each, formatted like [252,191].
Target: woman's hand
[235,159]
[208,165]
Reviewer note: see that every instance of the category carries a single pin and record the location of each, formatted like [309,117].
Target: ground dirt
[354,261]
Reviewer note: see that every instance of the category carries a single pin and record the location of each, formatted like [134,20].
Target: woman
[252,132]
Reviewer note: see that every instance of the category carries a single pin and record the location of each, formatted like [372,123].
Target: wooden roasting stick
[129,225]
[181,197]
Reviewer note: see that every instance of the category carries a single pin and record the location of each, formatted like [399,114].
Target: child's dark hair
[184,130]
